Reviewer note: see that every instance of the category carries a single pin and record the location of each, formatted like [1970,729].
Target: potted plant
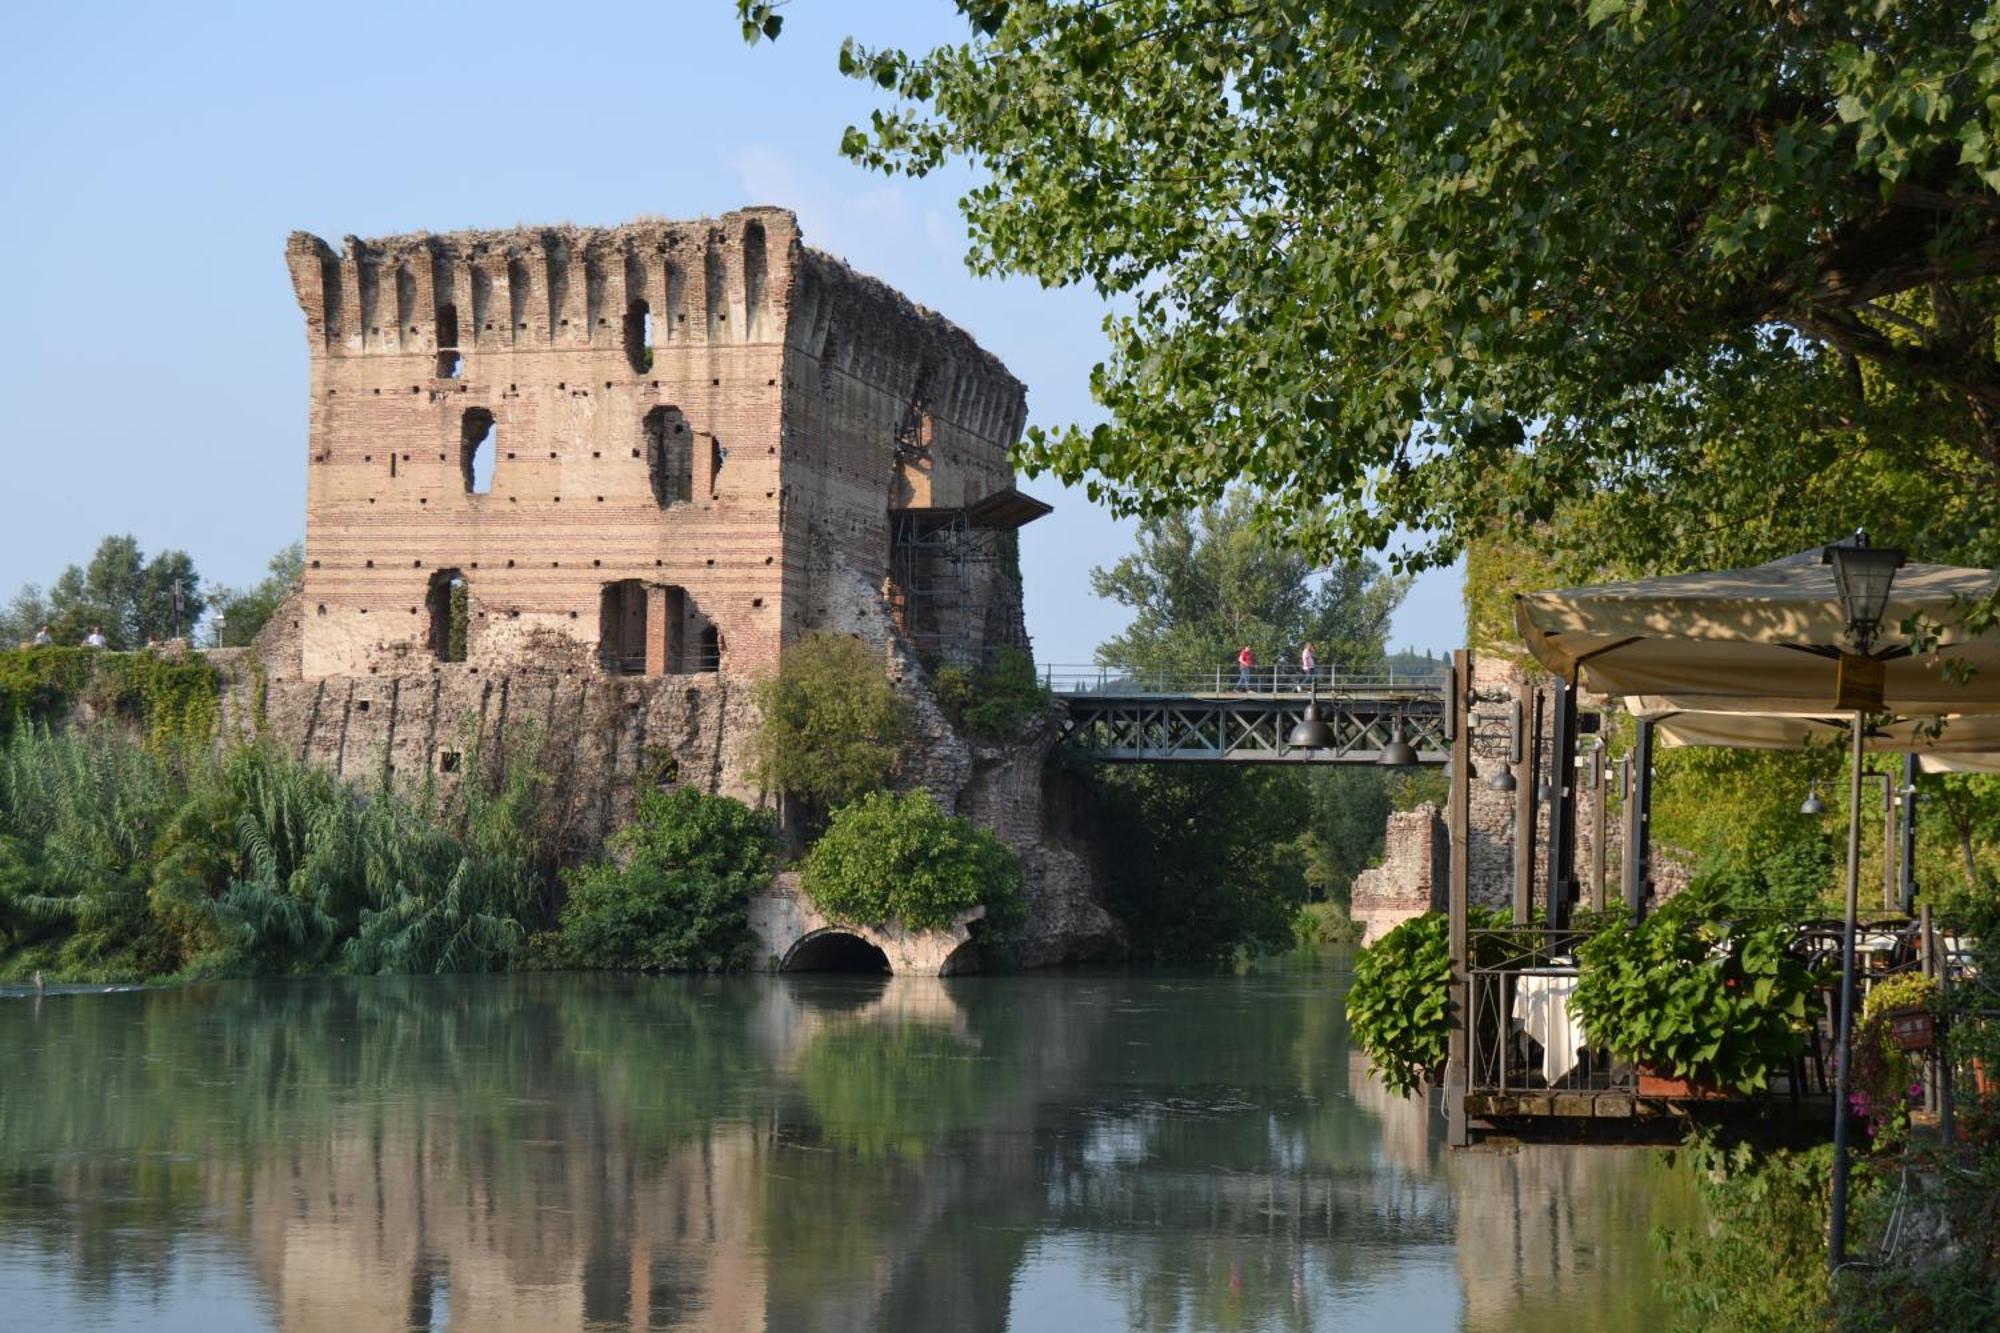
[1898,1022]
[1705,998]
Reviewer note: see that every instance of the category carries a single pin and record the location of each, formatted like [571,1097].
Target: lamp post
[1862,574]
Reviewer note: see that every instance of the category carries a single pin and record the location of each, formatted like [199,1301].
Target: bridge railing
[1281,679]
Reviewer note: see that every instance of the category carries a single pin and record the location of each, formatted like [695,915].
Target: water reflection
[810,1153]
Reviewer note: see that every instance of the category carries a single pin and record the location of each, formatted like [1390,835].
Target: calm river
[1070,1152]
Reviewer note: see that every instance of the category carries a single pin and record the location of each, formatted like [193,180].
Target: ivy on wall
[166,699]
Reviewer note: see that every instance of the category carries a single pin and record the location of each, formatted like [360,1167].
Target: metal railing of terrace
[1519,979]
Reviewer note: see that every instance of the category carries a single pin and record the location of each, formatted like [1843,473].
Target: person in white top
[1308,662]
[96,639]
[43,638]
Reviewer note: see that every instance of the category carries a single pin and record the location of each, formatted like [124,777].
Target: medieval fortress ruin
[601,478]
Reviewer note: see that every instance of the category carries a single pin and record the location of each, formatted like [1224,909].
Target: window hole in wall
[449,363]
[669,456]
[449,602]
[638,337]
[478,450]
[448,761]
[360,705]
[621,627]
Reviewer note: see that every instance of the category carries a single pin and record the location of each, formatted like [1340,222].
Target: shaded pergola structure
[1845,642]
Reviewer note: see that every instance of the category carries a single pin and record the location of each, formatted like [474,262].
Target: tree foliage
[674,893]
[242,613]
[1204,583]
[833,726]
[120,859]
[1201,863]
[130,597]
[899,860]
[1432,267]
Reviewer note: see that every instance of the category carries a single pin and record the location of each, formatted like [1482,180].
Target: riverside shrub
[1399,1003]
[833,727]
[674,894]
[889,859]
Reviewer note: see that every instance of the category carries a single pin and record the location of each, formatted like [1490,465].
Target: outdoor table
[1541,1007]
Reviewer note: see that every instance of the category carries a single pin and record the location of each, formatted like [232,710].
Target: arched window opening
[639,336]
[478,450]
[449,604]
[621,628]
[449,363]
[669,456]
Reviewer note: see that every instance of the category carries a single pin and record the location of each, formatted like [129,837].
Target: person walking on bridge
[1308,662]
[1245,660]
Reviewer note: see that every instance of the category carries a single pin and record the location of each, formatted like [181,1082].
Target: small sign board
[1858,684]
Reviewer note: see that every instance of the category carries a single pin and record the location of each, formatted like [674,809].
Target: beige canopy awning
[1763,639]
[1967,744]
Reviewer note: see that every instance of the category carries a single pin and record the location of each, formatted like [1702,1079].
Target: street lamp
[1311,733]
[1397,753]
[1813,804]
[1503,780]
[1862,574]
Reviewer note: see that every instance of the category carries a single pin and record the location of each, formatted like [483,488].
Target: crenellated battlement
[710,280]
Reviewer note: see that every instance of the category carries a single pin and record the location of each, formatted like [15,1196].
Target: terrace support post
[1526,773]
[1836,1249]
[1941,1046]
[1562,807]
[1909,885]
[1600,795]
[1458,806]
[1890,897]
[1638,822]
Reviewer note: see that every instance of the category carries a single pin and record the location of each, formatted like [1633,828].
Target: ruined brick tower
[658,449]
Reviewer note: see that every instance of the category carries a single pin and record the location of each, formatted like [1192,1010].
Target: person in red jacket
[1244,661]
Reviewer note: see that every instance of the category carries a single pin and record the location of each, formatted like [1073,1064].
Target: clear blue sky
[153,362]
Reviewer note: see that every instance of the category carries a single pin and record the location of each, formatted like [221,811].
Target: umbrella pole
[1836,1250]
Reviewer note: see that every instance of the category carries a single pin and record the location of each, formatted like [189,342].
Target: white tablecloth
[1541,1007]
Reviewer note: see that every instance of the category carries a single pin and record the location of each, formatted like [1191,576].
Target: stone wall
[1412,878]
[1499,683]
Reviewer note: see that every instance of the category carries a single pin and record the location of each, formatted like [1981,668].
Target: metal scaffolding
[955,577]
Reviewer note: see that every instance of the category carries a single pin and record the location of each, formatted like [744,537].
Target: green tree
[1431,267]
[241,614]
[1202,584]
[1204,862]
[890,859]
[132,599]
[833,726]
[674,893]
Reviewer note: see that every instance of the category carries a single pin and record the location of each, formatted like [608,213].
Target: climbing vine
[41,684]
[169,700]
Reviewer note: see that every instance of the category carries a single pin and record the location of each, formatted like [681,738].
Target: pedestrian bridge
[1126,717]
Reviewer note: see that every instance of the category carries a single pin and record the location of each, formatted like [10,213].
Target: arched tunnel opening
[837,951]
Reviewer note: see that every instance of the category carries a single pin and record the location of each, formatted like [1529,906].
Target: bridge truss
[1112,726]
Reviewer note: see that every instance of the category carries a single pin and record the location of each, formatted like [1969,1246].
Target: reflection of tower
[1408,1128]
[1551,1234]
